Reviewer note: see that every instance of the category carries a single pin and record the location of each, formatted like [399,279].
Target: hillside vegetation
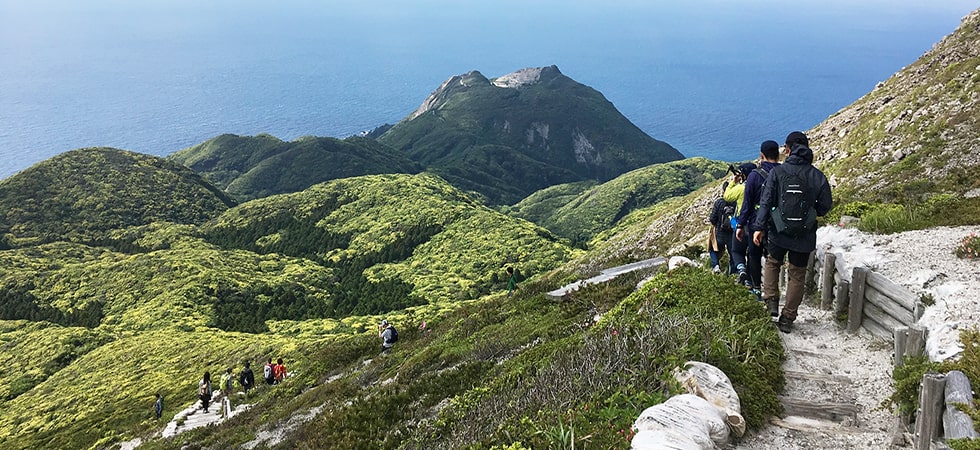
[511,136]
[250,167]
[83,194]
[581,211]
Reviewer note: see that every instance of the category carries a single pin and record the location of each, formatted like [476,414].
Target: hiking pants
[737,252]
[724,243]
[794,284]
[753,260]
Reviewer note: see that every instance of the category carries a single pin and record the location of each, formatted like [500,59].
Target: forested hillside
[250,167]
[511,136]
[84,194]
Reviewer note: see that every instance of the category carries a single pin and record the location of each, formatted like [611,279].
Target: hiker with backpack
[734,194]
[246,378]
[720,231]
[769,154]
[388,335]
[268,373]
[226,386]
[204,391]
[794,194]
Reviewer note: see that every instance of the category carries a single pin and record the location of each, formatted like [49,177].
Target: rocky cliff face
[923,123]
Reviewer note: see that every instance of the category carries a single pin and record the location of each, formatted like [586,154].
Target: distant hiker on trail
[269,373]
[769,153]
[279,371]
[794,195]
[388,335]
[227,382]
[158,406]
[720,231]
[246,378]
[512,281]
[734,194]
[204,391]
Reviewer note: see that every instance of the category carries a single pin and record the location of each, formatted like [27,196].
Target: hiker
[720,230]
[769,154]
[388,336]
[158,406]
[204,391]
[246,378]
[794,194]
[511,282]
[268,373]
[734,194]
[227,379]
[279,371]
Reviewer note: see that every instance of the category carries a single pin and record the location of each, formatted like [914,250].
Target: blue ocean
[713,78]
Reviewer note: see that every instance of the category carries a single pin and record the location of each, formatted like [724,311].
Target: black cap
[797,137]
[746,168]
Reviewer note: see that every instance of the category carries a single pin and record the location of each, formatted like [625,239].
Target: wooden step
[837,412]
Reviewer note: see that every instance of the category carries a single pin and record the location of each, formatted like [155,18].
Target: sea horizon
[710,78]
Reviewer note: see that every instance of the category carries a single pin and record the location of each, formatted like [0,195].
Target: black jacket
[800,158]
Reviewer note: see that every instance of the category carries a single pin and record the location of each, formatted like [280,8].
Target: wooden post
[915,344]
[841,302]
[956,424]
[901,338]
[809,285]
[929,419]
[855,310]
[827,281]
[918,310]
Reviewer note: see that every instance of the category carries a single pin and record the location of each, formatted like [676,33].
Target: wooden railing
[890,311]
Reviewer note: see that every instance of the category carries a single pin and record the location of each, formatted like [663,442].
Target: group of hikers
[272,374]
[768,211]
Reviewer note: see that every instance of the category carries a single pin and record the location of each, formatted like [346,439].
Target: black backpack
[793,213]
[726,219]
[394,335]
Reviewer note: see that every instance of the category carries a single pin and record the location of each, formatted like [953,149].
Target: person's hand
[757,238]
[739,234]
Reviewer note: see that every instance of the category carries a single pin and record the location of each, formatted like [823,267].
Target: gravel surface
[856,369]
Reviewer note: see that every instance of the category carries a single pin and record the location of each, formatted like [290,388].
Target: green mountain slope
[581,217]
[250,167]
[82,194]
[509,137]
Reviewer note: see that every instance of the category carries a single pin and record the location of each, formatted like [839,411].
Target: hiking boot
[785,325]
[716,269]
[743,279]
[757,293]
[773,305]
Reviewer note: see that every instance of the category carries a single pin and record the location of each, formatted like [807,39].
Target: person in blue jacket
[769,154]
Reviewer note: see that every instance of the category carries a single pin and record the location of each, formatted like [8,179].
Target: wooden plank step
[810,425]
[817,377]
[837,412]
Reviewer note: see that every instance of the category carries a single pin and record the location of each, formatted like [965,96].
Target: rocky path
[835,385]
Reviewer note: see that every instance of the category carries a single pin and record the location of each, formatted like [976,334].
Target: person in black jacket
[781,244]
[246,378]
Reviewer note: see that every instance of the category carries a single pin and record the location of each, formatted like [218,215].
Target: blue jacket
[799,157]
[753,193]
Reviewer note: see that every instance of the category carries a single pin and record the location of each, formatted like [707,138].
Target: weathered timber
[855,311]
[899,294]
[956,424]
[817,377]
[881,317]
[843,300]
[812,426]
[929,419]
[809,285]
[827,281]
[837,412]
[909,341]
[877,329]
[886,304]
